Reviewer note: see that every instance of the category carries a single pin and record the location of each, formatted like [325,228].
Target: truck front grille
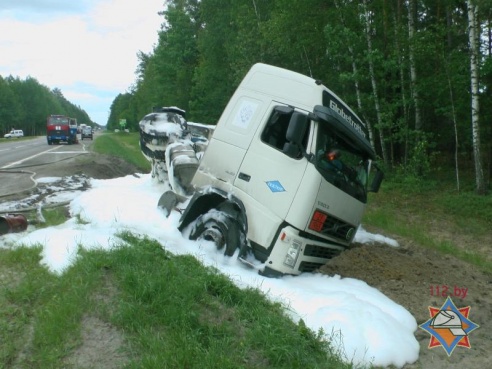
[58,133]
[321,251]
[309,267]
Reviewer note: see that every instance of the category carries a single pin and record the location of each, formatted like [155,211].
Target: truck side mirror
[295,133]
[376,182]
[291,150]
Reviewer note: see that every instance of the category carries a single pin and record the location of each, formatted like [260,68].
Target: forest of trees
[25,104]
[419,72]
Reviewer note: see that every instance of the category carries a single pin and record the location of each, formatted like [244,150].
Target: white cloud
[43,6]
[87,53]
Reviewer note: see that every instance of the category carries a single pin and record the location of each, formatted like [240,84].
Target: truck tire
[222,231]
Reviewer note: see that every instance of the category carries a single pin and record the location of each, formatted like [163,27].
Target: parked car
[15,133]
[86,132]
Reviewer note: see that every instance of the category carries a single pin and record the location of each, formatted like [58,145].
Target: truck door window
[340,164]
[275,130]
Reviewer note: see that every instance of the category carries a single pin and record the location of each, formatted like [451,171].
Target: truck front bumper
[293,254]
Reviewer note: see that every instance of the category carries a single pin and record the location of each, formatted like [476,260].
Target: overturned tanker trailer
[173,146]
[284,177]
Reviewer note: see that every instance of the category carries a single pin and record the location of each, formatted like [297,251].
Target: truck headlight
[292,254]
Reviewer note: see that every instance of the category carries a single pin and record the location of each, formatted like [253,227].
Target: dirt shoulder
[88,165]
[417,278]
[93,165]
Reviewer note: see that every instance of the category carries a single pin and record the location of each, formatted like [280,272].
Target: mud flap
[169,200]
[244,252]
[246,262]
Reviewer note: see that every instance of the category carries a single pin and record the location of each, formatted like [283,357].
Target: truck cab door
[267,174]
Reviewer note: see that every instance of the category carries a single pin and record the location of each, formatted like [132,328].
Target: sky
[86,48]
[366,325]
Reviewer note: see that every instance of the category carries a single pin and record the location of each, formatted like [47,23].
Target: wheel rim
[225,233]
[213,233]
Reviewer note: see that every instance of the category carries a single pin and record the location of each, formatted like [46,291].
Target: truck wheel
[222,232]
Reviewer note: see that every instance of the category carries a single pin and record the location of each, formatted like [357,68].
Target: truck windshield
[338,163]
[57,120]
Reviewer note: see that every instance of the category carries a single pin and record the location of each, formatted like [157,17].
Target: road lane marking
[69,152]
[15,147]
[31,157]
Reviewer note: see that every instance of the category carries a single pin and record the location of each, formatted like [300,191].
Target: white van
[15,133]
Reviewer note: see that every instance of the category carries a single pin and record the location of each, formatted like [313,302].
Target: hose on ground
[35,183]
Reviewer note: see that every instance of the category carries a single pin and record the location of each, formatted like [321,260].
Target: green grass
[418,211]
[124,145]
[170,311]
[17,139]
[55,216]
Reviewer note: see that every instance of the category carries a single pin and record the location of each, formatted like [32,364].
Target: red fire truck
[58,129]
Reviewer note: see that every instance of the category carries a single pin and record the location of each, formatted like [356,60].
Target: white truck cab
[284,176]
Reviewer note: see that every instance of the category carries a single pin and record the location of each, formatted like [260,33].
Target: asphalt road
[21,160]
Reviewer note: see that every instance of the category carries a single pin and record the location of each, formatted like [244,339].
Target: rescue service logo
[449,326]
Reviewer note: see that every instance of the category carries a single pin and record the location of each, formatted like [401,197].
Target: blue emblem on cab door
[275,186]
